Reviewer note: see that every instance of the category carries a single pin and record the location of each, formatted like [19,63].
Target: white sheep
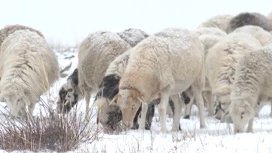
[164,64]
[248,18]
[95,54]
[259,33]
[28,67]
[220,21]
[69,93]
[252,82]
[9,29]
[221,63]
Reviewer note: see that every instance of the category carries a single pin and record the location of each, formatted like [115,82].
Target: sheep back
[133,36]
[247,18]
[9,29]
[95,54]
[219,21]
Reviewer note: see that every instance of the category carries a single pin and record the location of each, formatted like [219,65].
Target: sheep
[248,18]
[162,65]
[259,33]
[9,29]
[252,82]
[28,67]
[94,55]
[209,37]
[69,91]
[220,21]
[109,114]
[221,63]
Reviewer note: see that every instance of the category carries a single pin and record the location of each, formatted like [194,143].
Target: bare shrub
[52,132]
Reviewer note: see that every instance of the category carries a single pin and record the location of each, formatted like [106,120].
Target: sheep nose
[127,124]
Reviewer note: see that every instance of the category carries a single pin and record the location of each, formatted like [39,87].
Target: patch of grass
[53,132]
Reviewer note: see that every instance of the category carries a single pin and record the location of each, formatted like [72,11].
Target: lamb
[69,91]
[220,21]
[28,67]
[221,63]
[158,67]
[259,33]
[252,82]
[9,29]
[248,18]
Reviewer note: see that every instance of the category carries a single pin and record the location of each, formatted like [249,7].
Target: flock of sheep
[225,63]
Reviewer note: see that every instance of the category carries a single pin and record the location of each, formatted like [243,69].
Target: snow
[67,22]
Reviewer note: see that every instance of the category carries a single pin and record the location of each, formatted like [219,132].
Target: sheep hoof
[186,117]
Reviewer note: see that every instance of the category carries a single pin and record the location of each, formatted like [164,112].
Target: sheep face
[109,115]
[129,102]
[68,97]
[15,102]
[241,113]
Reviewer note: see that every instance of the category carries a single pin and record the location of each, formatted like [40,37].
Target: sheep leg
[162,110]
[177,109]
[87,99]
[209,101]
[143,116]
[250,126]
[200,105]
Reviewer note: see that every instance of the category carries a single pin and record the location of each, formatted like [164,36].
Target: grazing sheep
[247,18]
[9,29]
[221,63]
[72,92]
[259,33]
[69,94]
[162,65]
[219,21]
[109,114]
[252,82]
[28,67]
[133,36]
[95,54]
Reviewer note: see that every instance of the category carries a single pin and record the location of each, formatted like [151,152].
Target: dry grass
[51,133]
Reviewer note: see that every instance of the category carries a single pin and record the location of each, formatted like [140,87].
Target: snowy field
[217,137]
[66,23]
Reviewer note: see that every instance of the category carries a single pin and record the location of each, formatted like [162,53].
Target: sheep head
[129,100]
[241,113]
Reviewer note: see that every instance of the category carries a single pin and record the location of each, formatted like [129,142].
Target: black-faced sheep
[252,81]
[162,65]
[28,67]
[220,21]
[9,29]
[247,18]
[221,62]
[70,91]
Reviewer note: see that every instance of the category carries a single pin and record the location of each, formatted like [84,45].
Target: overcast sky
[68,22]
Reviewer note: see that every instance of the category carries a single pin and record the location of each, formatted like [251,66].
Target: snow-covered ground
[217,137]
